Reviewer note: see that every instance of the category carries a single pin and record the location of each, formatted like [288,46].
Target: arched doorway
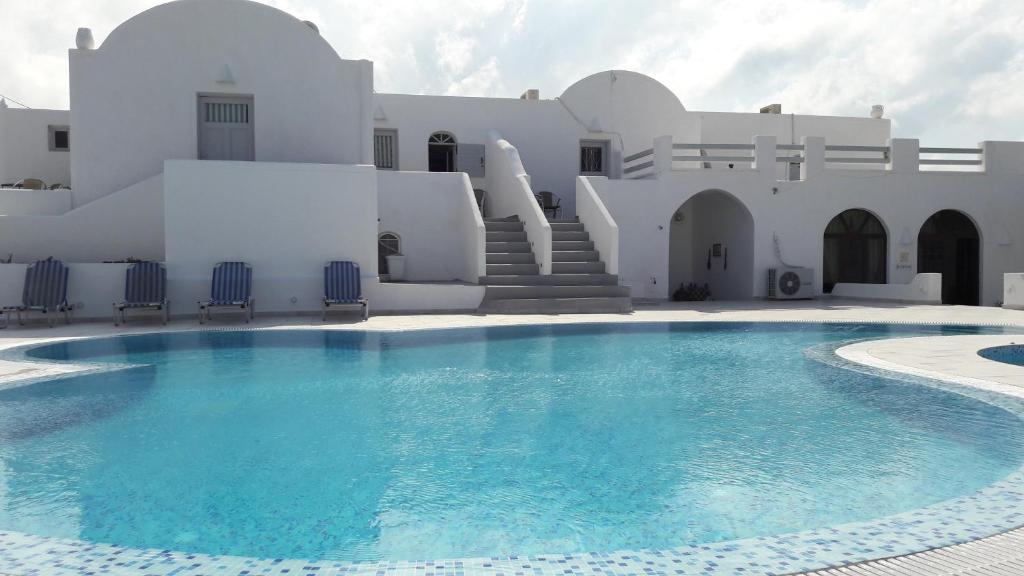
[856,249]
[949,244]
[711,241]
[441,148]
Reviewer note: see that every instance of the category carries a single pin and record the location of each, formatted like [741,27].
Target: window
[388,244]
[594,157]
[441,148]
[385,149]
[60,138]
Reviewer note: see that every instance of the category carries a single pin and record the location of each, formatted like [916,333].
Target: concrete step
[542,291]
[568,226]
[503,236]
[508,247]
[571,235]
[504,226]
[600,305]
[511,258]
[575,268]
[535,279]
[574,256]
[511,270]
[571,245]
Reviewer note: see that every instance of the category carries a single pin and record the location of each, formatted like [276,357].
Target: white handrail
[509,193]
[474,232]
[597,220]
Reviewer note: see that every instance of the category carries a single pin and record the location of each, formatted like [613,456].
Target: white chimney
[84,40]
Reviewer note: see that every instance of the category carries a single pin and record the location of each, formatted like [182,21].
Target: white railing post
[662,155]
[814,157]
[764,155]
[904,156]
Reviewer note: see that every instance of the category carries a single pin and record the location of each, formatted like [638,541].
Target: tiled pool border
[997,508]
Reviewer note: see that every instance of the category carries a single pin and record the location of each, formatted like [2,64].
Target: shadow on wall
[711,241]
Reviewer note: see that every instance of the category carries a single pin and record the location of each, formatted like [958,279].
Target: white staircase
[578,282]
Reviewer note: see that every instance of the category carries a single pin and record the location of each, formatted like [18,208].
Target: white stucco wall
[922,289]
[25,146]
[134,100]
[799,211]
[286,220]
[432,214]
[126,224]
[23,202]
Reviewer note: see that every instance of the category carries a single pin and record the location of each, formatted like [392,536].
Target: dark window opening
[856,248]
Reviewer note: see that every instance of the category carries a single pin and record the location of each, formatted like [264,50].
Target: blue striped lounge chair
[145,287]
[45,291]
[231,288]
[342,287]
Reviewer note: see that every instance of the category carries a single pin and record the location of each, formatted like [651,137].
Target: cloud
[948,71]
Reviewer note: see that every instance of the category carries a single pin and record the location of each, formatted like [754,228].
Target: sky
[950,72]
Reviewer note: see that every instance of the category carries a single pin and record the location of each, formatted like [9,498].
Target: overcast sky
[950,72]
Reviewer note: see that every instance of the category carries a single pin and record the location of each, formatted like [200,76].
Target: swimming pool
[1011,354]
[481,442]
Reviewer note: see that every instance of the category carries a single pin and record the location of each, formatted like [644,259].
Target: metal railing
[942,156]
[638,165]
[883,155]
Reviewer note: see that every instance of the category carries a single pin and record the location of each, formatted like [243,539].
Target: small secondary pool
[1010,354]
[481,442]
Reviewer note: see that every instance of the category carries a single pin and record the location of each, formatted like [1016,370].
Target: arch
[856,249]
[388,244]
[442,148]
[949,243]
[711,241]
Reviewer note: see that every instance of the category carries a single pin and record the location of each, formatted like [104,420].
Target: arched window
[388,244]
[949,243]
[441,148]
[856,248]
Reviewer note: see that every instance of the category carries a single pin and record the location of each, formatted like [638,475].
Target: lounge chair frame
[148,296]
[343,272]
[239,272]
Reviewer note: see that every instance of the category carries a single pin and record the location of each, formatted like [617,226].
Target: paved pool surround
[930,361]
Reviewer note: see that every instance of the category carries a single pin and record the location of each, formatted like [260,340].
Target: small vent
[226,113]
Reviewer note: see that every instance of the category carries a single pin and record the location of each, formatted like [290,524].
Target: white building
[211,130]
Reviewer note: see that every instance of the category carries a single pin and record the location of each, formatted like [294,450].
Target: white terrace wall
[287,220]
[134,100]
[126,224]
[24,202]
[435,215]
[797,212]
[25,146]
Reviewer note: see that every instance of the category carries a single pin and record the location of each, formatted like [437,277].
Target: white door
[225,128]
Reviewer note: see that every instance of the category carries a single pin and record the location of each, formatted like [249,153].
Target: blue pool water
[480,442]
[1010,354]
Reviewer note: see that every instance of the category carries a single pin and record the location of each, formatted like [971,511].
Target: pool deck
[949,358]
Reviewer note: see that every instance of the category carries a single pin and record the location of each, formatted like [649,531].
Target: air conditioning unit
[790,283]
